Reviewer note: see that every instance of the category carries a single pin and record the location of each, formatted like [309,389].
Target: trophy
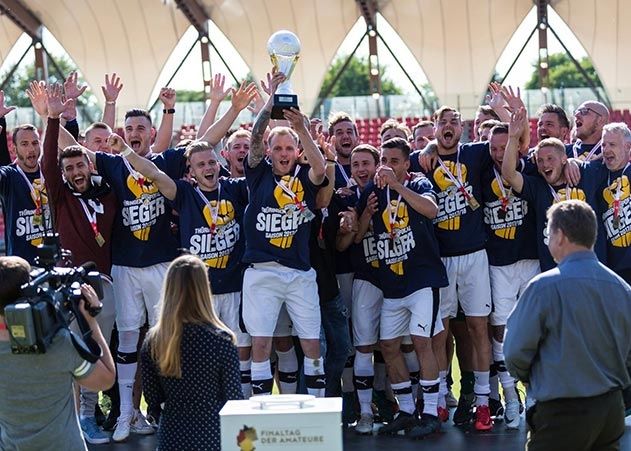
[283,48]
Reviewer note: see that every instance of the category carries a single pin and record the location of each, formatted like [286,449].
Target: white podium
[282,422]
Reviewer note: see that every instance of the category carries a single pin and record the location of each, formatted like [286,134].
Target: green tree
[355,81]
[15,90]
[563,73]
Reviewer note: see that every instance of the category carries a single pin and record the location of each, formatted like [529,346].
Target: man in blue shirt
[568,337]
[277,227]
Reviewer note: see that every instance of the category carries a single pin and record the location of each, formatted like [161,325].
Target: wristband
[169,111]
[128,151]
[110,102]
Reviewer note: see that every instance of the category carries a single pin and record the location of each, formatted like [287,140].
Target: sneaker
[511,414]
[140,425]
[92,433]
[463,413]
[483,421]
[428,425]
[348,408]
[385,407]
[364,425]
[443,414]
[403,421]
[451,399]
[110,422]
[122,429]
[497,409]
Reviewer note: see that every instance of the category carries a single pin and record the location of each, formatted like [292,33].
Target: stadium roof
[456,42]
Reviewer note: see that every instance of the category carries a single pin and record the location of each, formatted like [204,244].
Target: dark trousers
[579,424]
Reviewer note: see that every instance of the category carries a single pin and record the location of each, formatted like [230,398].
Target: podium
[282,422]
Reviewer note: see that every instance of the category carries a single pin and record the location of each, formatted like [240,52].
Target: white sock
[245,367]
[442,389]
[287,371]
[262,381]
[403,393]
[430,396]
[364,378]
[314,374]
[481,388]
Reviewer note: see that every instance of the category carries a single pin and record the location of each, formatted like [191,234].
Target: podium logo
[246,438]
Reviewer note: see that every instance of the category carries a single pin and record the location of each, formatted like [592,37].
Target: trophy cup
[283,48]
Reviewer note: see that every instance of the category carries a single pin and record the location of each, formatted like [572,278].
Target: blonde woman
[189,360]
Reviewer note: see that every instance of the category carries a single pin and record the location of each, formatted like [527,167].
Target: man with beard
[85,208]
[22,190]
[277,227]
[513,260]
[459,227]
[236,151]
[346,138]
[589,119]
[552,122]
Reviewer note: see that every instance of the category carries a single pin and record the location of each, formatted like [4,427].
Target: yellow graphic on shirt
[280,224]
[141,213]
[394,245]
[504,218]
[215,243]
[452,203]
[575,193]
[618,232]
[31,223]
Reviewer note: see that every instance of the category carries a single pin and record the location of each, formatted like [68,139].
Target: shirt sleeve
[525,328]
[151,385]
[73,362]
[230,372]
[50,166]
[529,188]
[73,128]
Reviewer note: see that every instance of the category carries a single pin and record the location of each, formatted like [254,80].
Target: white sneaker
[123,425]
[140,425]
[511,414]
[364,425]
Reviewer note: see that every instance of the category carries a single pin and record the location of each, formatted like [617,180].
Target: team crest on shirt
[215,242]
[280,223]
[503,217]
[618,231]
[143,212]
[394,245]
[31,223]
[452,203]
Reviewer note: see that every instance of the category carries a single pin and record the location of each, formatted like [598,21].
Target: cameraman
[37,411]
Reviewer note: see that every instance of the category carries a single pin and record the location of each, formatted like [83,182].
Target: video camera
[51,302]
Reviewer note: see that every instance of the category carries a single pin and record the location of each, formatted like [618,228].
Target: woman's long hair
[186,298]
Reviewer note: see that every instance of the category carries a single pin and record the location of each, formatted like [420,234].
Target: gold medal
[99,239]
[473,203]
[37,220]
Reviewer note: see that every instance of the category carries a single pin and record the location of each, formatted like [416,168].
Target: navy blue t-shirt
[411,261]
[582,151]
[24,227]
[343,263]
[415,166]
[459,228]
[510,224]
[617,233]
[275,228]
[220,246]
[539,194]
[342,175]
[142,231]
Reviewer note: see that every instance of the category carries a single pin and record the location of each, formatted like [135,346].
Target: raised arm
[217,94]
[299,123]
[421,203]
[111,90]
[323,198]
[511,154]
[165,132]
[241,98]
[257,147]
[50,167]
[147,168]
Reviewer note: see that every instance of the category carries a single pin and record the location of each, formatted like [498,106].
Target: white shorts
[267,286]
[507,284]
[137,290]
[468,284]
[227,309]
[366,312]
[415,314]
[345,282]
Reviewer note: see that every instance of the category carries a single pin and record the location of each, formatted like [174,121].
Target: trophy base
[283,102]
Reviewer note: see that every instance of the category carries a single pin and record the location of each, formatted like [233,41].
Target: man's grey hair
[618,127]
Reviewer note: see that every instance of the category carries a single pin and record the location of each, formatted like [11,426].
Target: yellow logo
[447,186]
[285,201]
[246,438]
[225,215]
[623,240]
[507,233]
[401,221]
[141,187]
[575,193]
